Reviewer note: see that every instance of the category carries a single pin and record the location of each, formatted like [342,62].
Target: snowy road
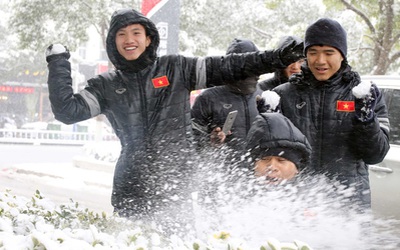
[49,169]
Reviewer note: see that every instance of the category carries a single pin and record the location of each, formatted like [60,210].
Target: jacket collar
[343,76]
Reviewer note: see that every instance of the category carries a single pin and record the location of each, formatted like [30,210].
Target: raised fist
[366,94]
[268,102]
[291,52]
[56,51]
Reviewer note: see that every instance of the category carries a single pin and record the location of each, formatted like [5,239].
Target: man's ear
[148,41]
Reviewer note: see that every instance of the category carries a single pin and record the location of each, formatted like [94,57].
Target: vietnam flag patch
[160,82]
[345,106]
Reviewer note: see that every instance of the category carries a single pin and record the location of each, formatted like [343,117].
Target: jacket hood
[241,46]
[122,18]
[248,85]
[273,134]
[285,41]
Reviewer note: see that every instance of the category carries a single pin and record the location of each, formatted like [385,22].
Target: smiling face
[275,169]
[323,61]
[131,41]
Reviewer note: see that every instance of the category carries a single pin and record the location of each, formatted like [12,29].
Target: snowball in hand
[362,90]
[271,98]
[58,49]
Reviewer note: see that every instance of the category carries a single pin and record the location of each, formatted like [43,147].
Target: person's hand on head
[56,51]
[366,94]
[291,52]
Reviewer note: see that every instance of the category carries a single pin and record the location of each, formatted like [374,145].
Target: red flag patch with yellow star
[345,106]
[160,82]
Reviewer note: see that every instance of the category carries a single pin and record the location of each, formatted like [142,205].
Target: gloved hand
[366,94]
[268,102]
[56,51]
[291,52]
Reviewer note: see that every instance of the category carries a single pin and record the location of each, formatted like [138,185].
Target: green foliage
[273,4]
[202,22]
[24,66]
[208,26]
[378,50]
[262,21]
[39,23]
[269,20]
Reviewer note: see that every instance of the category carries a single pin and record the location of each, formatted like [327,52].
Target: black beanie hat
[328,32]
[238,46]
[296,155]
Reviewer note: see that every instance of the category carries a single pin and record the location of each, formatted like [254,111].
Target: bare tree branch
[394,57]
[361,14]
[362,49]
[261,32]
[396,38]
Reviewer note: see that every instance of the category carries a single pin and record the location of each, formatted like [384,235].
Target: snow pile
[37,223]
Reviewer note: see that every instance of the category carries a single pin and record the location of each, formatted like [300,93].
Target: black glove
[268,102]
[366,95]
[56,51]
[261,107]
[291,52]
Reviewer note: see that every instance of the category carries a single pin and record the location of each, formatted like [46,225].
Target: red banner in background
[165,15]
[17,89]
[147,5]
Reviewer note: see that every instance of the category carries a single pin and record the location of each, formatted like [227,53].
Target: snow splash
[313,210]
[225,211]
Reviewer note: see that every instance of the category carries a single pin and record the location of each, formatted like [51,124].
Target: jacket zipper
[320,121]
[143,103]
[246,113]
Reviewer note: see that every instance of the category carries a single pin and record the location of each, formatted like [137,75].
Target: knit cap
[328,32]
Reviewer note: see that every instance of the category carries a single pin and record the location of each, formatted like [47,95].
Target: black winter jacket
[342,146]
[270,83]
[152,120]
[212,107]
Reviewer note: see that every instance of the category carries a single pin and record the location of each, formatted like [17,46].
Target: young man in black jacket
[146,100]
[213,105]
[346,131]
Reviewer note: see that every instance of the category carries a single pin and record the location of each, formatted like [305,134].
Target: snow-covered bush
[39,224]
